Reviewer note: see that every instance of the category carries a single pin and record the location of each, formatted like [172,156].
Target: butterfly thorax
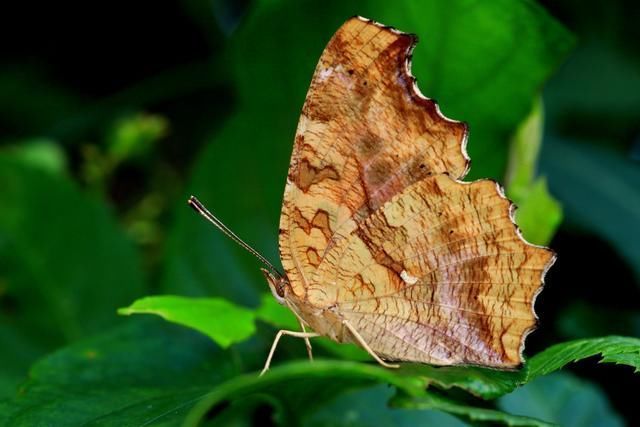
[323,320]
[326,321]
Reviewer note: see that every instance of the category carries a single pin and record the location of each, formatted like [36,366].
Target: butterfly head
[277,284]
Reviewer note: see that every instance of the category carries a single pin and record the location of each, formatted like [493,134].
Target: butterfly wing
[439,274]
[376,226]
[365,134]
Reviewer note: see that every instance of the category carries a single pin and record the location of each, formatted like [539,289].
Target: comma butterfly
[382,243]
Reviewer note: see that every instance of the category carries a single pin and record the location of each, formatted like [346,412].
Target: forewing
[365,134]
[439,274]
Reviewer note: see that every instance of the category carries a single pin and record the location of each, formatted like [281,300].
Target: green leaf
[302,386]
[135,135]
[490,384]
[62,256]
[524,151]
[233,324]
[369,408]
[481,382]
[144,372]
[539,215]
[613,349]
[18,356]
[562,399]
[220,320]
[150,371]
[227,324]
[599,191]
[619,350]
[39,153]
[71,231]
[467,412]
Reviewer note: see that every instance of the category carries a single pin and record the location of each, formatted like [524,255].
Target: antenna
[202,210]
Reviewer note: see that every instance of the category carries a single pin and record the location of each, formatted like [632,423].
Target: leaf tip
[124,311]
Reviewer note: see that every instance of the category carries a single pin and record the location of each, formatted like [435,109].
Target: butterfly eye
[280,287]
[276,285]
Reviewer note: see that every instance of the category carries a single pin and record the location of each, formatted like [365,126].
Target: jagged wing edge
[426,101]
[512,211]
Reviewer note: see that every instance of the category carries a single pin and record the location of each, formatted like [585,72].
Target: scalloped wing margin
[440,274]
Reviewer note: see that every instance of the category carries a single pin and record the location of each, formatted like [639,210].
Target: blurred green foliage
[65,262]
[564,400]
[539,214]
[97,159]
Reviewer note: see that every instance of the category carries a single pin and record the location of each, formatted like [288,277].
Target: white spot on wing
[408,279]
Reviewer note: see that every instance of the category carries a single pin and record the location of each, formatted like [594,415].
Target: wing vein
[434,329]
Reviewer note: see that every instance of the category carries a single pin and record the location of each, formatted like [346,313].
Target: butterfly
[382,243]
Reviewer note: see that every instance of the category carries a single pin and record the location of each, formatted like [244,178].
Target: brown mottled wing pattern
[364,135]
[439,274]
[376,228]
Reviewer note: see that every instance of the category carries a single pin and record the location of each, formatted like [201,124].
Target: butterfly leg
[364,345]
[305,335]
[307,342]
